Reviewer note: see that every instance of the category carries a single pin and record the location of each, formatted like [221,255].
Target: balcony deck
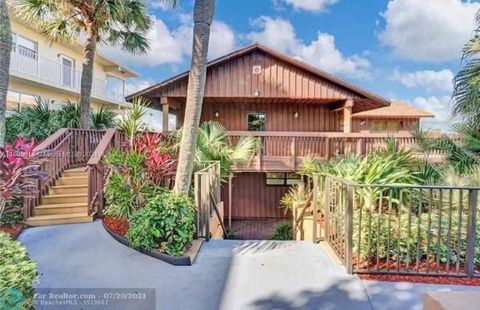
[28,65]
[285,151]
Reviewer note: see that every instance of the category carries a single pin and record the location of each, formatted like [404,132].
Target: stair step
[56,219]
[83,180]
[77,169]
[68,189]
[65,208]
[74,174]
[64,198]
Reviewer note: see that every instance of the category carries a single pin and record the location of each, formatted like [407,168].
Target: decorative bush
[166,223]
[13,213]
[18,274]
[283,231]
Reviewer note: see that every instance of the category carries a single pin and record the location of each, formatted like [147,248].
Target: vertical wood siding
[253,199]
[276,79]
[408,123]
[279,117]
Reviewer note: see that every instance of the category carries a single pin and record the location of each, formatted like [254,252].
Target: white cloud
[173,46]
[135,85]
[160,4]
[440,107]
[428,30]
[428,79]
[279,34]
[310,5]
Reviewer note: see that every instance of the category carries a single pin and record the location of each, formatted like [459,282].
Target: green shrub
[283,231]
[18,274]
[13,213]
[166,223]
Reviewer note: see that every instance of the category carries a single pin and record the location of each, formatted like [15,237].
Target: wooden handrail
[51,139]
[102,147]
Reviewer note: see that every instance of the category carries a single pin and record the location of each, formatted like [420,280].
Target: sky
[407,50]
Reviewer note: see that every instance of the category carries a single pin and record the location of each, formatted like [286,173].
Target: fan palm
[213,145]
[117,22]
[467,82]
[69,115]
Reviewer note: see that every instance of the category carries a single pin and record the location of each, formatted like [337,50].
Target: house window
[283,178]
[256,121]
[385,126]
[115,88]
[24,46]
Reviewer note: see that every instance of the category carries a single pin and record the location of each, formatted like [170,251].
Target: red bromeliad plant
[161,168]
[160,165]
[18,171]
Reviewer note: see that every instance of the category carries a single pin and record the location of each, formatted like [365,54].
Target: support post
[230,180]
[349,230]
[165,110]
[471,233]
[315,208]
[347,116]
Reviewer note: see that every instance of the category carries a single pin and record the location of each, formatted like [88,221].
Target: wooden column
[347,116]
[165,110]
[230,181]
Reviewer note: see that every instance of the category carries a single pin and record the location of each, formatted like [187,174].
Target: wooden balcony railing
[284,151]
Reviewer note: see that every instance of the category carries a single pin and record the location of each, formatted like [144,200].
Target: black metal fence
[400,229]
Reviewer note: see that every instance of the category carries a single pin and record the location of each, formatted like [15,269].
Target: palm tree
[467,82]
[213,145]
[203,12]
[5,49]
[117,22]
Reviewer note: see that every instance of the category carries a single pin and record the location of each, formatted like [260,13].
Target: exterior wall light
[295,114]
[217,114]
[256,93]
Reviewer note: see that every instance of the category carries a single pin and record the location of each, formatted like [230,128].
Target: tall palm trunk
[5,50]
[87,78]
[202,16]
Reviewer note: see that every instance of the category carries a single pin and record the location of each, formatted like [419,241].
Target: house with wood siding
[295,109]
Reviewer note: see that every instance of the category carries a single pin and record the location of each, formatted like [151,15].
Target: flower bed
[187,259]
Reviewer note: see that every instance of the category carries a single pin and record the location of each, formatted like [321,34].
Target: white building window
[24,46]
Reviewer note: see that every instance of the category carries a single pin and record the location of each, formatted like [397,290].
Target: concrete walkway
[226,275]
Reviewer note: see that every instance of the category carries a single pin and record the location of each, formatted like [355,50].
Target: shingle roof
[397,109]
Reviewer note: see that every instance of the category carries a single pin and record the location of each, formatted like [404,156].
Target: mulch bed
[117,225]
[13,230]
[422,267]
[422,279]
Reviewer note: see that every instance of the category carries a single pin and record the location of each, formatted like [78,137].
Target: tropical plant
[5,50]
[13,212]
[213,145]
[18,172]
[18,275]
[466,103]
[69,115]
[166,224]
[203,12]
[102,119]
[283,231]
[132,122]
[117,22]
[35,121]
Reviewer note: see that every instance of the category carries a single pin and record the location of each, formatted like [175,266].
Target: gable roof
[320,74]
[397,109]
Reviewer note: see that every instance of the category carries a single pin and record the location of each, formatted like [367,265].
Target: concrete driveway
[227,274]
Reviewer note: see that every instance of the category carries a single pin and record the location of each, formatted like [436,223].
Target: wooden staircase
[66,201]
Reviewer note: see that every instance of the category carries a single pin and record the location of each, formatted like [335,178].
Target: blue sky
[407,50]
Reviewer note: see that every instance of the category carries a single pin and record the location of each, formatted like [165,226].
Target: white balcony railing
[54,73]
